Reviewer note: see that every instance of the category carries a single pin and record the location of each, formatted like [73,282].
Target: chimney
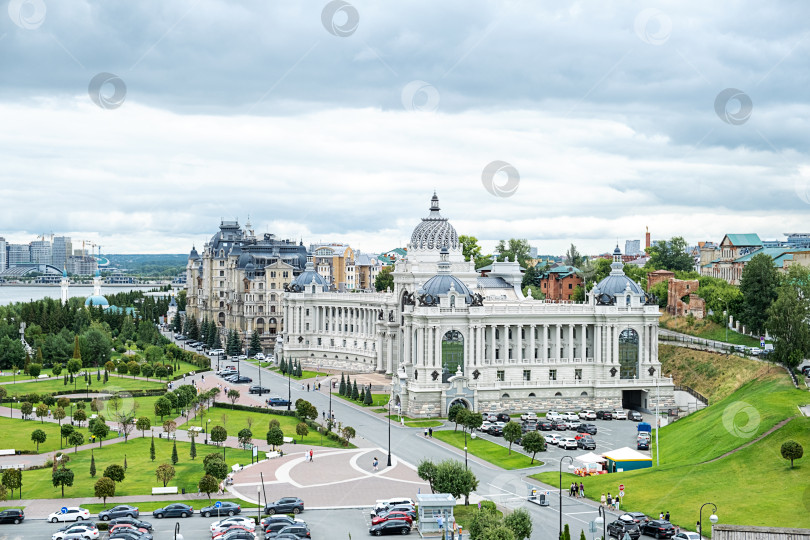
[647,238]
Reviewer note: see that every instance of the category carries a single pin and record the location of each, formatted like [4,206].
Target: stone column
[492,344]
[505,355]
[519,344]
[571,328]
[584,351]
[390,353]
[558,342]
[532,355]
[615,343]
[597,343]
[544,356]
[437,357]
[379,352]
[467,333]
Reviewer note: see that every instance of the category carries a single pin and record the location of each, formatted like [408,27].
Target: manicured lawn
[7,377]
[236,420]
[114,384]
[377,400]
[707,329]
[305,374]
[17,434]
[146,507]
[489,451]
[145,407]
[420,423]
[140,474]
[714,375]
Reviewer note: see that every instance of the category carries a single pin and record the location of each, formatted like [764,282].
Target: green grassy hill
[753,486]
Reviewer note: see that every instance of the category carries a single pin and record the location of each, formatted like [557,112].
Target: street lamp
[259,504]
[389,431]
[206,430]
[601,519]
[88,389]
[713,518]
[330,401]
[571,466]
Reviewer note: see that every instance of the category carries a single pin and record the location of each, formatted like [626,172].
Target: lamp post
[259,504]
[206,430]
[465,445]
[87,387]
[389,431]
[330,401]
[713,518]
[571,466]
[601,519]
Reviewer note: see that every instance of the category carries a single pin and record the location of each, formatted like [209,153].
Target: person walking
[402,420]
[431,432]
[310,455]
[661,515]
[666,516]
[582,490]
[609,500]
[602,500]
[375,463]
[426,432]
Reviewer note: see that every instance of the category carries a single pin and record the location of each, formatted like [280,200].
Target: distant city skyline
[560,123]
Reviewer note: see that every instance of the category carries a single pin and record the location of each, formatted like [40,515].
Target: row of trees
[348,389]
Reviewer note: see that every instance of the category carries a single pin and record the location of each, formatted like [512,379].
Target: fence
[695,394]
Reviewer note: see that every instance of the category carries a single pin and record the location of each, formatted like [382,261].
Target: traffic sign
[762,342]
[218,504]
[621,487]
[64,509]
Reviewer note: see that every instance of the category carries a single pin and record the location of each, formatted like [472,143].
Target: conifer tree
[152,449]
[355,393]
[92,465]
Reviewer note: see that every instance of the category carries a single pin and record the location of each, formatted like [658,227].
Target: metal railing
[695,394]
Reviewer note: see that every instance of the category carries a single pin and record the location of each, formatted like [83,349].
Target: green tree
[427,471]
[177,324]
[65,432]
[161,372]
[165,473]
[342,387]
[75,439]
[788,318]
[516,249]
[348,433]
[362,397]
[134,368]
[302,430]
[245,436]
[305,410]
[670,255]
[355,393]
[175,458]
[452,414]
[573,257]
[217,468]
[152,449]
[104,487]
[116,472]
[532,443]
[12,479]
[42,412]
[59,414]
[163,407]
[275,437]
[101,430]
[219,434]
[56,369]
[453,478]
[122,368]
[208,484]
[92,465]
[483,521]
[520,523]
[472,420]
[499,532]
[759,284]
[792,450]
[26,408]
[255,346]
[34,370]
[384,279]
[38,436]
[511,433]
[147,371]
[80,416]
[143,423]
[233,395]
[192,452]
[62,477]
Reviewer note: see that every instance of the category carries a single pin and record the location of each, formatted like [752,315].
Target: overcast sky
[139,125]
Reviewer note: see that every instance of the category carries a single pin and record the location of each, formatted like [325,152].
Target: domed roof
[193,256]
[307,278]
[440,285]
[434,231]
[244,259]
[96,300]
[617,282]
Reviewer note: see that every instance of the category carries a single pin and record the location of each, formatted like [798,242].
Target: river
[11,294]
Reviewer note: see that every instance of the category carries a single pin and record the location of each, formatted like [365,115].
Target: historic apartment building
[558,283]
[728,259]
[447,334]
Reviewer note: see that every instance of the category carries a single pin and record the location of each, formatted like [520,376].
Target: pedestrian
[310,454]
[571,490]
[402,420]
[307,387]
[661,515]
[666,516]
[581,490]
[426,432]
[602,500]
[431,432]
[203,378]
[375,463]
[609,500]
[440,522]
[323,413]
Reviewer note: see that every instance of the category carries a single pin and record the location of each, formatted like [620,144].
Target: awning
[590,457]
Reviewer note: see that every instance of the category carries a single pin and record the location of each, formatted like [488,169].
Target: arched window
[531,394]
[584,394]
[505,396]
[558,394]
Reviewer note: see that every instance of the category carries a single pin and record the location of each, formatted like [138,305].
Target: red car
[392,515]
[229,529]
[127,526]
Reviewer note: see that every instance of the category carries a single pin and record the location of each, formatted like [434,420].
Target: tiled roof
[750,239]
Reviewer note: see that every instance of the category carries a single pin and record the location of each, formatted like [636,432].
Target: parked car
[277,401]
[644,435]
[235,532]
[224,524]
[259,356]
[242,357]
[570,416]
[587,428]
[658,528]
[642,444]
[408,509]
[216,352]
[174,510]
[619,528]
[90,524]
[529,426]
[14,515]
[496,431]
[635,416]
[390,527]
[277,518]
[573,424]
[258,390]
[225,373]
[587,415]
[276,526]
[122,510]
[131,521]
[299,530]
[553,415]
[285,505]
[545,425]
[485,427]
[127,527]
[73,513]
[552,438]
[241,379]
[586,443]
[619,414]
[559,425]
[636,517]
[604,415]
[227,509]
[568,443]
[490,417]
[503,417]
[686,535]
[83,531]
[404,516]
[130,534]
[528,416]
[383,505]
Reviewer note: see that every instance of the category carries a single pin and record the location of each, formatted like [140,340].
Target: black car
[277,402]
[590,429]
[237,534]
[266,522]
[545,425]
[503,417]
[529,426]
[635,416]
[122,510]
[259,390]
[131,521]
[586,443]
[285,505]
[618,528]
[298,530]
[637,517]
[643,444]
[495,431]
[559,425]
[227,509]
[174,510]
[240,379]
[394,526]
[276,526]
[14,515]
[604,415]
[658,528]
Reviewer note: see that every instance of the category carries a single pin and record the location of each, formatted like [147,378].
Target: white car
[223,524]
[216,352]
[573,424]
[587,415]
[568,443]
[485,426]
[553,415]
[499,424]
[570,416]
[644,435]
[381,505]
[73,513]
[259,356]
[84,531]
[552,438]
[619,414]
[242,357]
[528,417]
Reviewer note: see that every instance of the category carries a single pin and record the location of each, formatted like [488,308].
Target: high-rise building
[62,249]
[41,251]
[632,247]
[18,254]
[3,254]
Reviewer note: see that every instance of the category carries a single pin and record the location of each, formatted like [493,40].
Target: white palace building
[446,335]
